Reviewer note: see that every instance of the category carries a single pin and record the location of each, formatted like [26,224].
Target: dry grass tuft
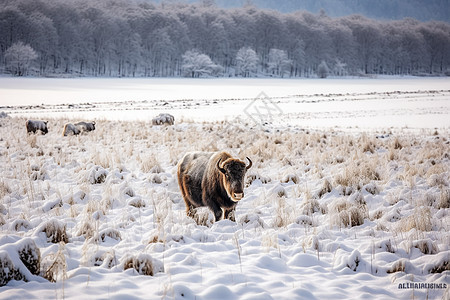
[444,199]
[397,266]
[30,255]
[396,144]
[344,213]
[419,220]
[97,175]
[4,189]
[269,241]
[8,271]
[386,245]
[110,233]
[203,216]
[290,178]
[426,246]
[326,188]
[149,164]
[55,231]
[356,175]
[311,206]
[136,202]
[442,267]
[32,140]
[54,266]
[253,220]
[20,224]
[255,176]
[143,264]
[86,229]
[285,213]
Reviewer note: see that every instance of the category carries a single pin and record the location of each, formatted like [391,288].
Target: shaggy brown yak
[215,180]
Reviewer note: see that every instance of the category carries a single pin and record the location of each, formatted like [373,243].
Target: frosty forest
[138,38]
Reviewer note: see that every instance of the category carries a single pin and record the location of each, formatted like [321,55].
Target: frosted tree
[247,62]
[368,37]
[19,57]
[279,63]
[437,38]
[297,53]
[340,68]
[323,70]
[196,64]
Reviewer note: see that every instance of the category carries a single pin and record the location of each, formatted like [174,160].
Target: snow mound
[55,231]
[143,264]
[97,175]
[19,261]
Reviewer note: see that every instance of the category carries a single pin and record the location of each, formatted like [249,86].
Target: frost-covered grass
[327,214]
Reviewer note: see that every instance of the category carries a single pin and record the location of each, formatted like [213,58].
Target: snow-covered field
[328,213]
[313,103]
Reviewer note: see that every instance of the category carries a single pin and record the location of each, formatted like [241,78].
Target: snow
[346,103]
[327,213]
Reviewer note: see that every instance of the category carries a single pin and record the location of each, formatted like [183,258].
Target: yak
[86,126]
[163,119]
[33,126]
[212,179]
[69,128]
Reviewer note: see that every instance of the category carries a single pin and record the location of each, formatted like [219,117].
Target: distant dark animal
[70,129]
[86,126]
[33,126]
[163,119]
[215,180]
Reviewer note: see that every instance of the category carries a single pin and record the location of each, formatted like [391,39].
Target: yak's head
[233,171]
[45,129]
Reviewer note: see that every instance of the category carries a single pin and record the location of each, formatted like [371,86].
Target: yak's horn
[249,163]
[220,169]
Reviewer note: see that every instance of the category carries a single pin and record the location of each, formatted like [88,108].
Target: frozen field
[312,103]
[344,200]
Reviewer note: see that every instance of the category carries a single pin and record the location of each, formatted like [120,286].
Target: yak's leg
[217,210]
[190,210]
[230,214]
[213,203]
[218,214]
[183,181]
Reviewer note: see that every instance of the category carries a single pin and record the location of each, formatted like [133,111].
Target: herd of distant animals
[211,179]
[34,126]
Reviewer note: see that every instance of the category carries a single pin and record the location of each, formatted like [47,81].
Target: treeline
[423,10]
[132,38]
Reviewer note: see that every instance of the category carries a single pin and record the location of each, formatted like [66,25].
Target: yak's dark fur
[85,126]
[33,126]
[215,180]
